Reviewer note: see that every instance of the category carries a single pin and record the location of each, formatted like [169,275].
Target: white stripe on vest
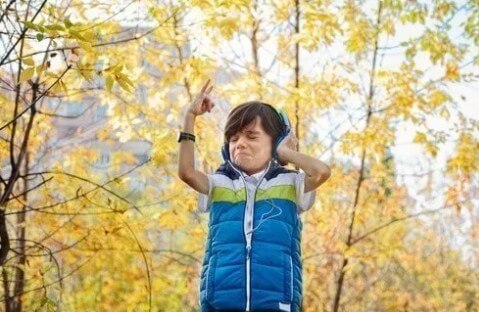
[285,306]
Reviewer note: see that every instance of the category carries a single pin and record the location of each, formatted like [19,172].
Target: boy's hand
[290,142]
[202,102]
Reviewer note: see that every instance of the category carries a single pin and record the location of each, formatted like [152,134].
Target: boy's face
[250,149]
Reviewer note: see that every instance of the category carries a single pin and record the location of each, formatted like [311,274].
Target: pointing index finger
[205,86]
[209,90]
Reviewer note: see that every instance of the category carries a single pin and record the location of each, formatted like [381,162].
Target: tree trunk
[349,241]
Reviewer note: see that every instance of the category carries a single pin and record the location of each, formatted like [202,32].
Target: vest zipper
[252,224]
[248,249]
[248,282]
[248,242]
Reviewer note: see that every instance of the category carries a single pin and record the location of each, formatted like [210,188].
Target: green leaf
[50,74]
[115,68]
[30,25]
[123,84]
[63,86]
[28,61]
[109,82]
[85,74]
[27,74]
[75,34]
[125,79]
[67,22]
[51,10]
[55,27]
[43,301]
[39,69]
[39,36]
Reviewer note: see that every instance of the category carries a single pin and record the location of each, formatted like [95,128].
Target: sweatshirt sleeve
[204,200]
[304,200]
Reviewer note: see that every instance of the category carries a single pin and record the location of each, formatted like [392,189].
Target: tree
[94,217]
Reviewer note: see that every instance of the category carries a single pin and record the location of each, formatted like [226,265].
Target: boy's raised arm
[186,163]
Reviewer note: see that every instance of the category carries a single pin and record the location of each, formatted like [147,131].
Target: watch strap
[186,136]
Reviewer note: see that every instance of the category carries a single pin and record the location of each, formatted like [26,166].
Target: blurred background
[92,96]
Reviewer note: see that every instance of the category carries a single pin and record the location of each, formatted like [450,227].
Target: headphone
[285,130]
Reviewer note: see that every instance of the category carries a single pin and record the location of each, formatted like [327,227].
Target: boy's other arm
[316,171]
[186,164]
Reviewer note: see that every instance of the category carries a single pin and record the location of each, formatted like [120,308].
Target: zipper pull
[248,248]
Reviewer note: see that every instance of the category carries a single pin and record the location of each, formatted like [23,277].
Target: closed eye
[249,137]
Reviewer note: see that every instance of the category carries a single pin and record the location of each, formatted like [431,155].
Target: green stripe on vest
[228,195]
[278,191]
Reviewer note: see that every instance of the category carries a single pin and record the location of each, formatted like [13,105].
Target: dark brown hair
[246,112]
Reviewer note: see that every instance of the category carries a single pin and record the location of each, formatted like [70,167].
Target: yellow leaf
[159,157]
[420,137]
[437,97]
[466,159]
[85,45]
[444,113]
[389,27]
[159,154]
[172,220]
[452,71]
[103,134]
[431,148]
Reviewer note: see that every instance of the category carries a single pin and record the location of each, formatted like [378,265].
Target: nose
[240,143]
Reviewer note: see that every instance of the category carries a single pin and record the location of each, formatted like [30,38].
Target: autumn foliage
[94,218]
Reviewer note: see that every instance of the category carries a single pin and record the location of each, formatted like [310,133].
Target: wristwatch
[185,136]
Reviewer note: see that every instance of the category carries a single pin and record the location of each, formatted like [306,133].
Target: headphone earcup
[225,152]
[275,148]
[285,130]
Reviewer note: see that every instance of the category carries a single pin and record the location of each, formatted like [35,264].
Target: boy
[252,259]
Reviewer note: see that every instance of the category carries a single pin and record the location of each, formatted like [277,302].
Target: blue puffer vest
[259,270]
